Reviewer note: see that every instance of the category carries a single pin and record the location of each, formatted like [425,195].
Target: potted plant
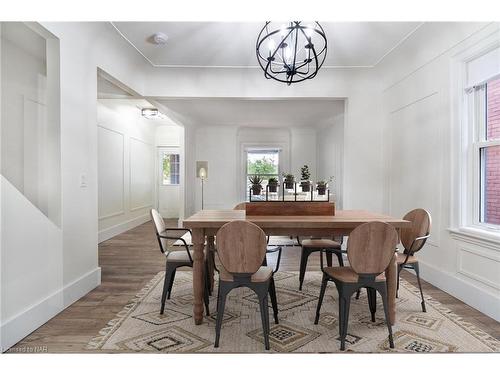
[322,185]
[256,182]
[289,179]
[273,184]
[305,176]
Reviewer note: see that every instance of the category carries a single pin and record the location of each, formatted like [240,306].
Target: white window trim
[262,149]
[465,151]
[168,150]
[477,118]
[245,146]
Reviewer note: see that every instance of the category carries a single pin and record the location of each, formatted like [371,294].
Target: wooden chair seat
[347,274]
[400,258]
[321,243]
[263,274]
[178,256]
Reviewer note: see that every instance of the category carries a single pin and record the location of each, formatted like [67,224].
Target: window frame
[476,98]
[169,151]
[256,150]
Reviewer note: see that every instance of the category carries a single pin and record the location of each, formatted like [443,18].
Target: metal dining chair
[241,248]
[413,239]
[270,249]
[174,258]
[370,248]
[311,245]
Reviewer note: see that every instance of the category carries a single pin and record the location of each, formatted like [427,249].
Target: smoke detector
[159,38]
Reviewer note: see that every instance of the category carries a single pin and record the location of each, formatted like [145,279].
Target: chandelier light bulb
[271,45]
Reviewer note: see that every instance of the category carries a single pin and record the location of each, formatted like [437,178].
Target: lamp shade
[202,169]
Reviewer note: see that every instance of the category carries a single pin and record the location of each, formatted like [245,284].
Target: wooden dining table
[205,224]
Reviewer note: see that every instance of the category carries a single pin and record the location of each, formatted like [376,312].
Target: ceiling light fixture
[291,53]
[150,113]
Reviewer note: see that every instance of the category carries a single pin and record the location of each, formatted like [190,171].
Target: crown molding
[378,61]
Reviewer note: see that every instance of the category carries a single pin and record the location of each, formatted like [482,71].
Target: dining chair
[269,250]
[311,245]
[174,258]
[241,248]
[370,248]
[413,239]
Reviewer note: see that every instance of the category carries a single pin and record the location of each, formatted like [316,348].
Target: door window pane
[170,170]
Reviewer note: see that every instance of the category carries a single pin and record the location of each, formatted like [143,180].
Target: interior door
[169,182]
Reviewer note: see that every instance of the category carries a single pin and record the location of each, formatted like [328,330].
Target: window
[486,150]
[170,168]
[261,162]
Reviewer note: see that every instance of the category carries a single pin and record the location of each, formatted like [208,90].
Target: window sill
[490,238]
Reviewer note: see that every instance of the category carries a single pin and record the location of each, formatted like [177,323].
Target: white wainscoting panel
[141,174]
[479,264]
[110,173]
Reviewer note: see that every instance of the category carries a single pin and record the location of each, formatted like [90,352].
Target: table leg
[391,275]
[198,270]
[211,260]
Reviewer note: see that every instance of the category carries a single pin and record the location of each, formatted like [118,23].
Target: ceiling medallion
[291,52]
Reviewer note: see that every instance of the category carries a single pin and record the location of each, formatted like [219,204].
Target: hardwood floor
[130,260]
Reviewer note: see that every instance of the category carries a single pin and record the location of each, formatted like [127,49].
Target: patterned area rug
[140,328]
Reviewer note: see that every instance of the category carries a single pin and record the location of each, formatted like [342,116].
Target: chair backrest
[371,246]
[240,206]
[420,226]
[241,246]
[159,228]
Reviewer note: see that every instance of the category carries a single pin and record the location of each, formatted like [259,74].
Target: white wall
[74,270]
[303,144]
[218,146]
[422,134]
[126,167]
[30,131]
[330,156]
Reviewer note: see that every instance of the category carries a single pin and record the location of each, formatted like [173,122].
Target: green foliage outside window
[262,167]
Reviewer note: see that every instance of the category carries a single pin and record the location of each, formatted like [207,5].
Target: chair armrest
[186,229]
[275,249]
[410,250]
[422,238]
[186,246]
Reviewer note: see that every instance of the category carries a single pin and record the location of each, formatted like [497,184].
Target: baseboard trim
[117,229]
[18,327]
[478,298]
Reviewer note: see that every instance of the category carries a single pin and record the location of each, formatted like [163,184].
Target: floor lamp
[202,174]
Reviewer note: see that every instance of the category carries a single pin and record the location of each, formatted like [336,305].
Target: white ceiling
[229,44]
[272,113]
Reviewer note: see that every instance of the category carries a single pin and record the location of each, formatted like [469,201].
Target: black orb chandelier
[292,52]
